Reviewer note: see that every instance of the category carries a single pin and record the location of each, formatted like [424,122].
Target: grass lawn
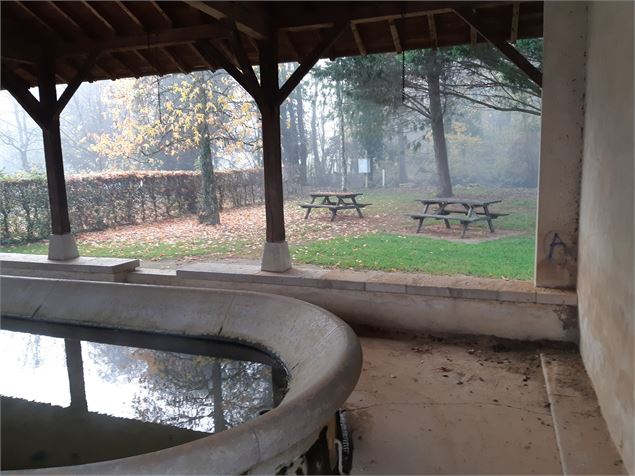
[511,258]
[383,240]
[145,251]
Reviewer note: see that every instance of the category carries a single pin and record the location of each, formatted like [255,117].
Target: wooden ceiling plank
[503,46]
[329,40]
[248,21]
[394,32]
[513,36]
[358,40]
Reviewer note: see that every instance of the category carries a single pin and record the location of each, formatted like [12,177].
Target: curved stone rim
[321,353]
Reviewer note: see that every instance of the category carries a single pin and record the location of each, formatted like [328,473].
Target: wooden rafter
[166,18]
[123,61]
[503,46]
[104,21]
[241,56]
[513,35]
[23,96]
[75,83]
[394,32]
[213,56]
[168,37]
[69,19]
[358,40]
[181,65]
[27,8]
[129,13]
[329,40]
[473,36]
[432,28]
[292,46]
[250,22]
[361,12]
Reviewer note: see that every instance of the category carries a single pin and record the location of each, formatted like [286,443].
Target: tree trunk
[208,212]
[340,110]
[302,148]
[438,130]
[209,208]
[403,170]
[318,166]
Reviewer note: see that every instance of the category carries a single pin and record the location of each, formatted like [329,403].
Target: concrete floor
[447,405]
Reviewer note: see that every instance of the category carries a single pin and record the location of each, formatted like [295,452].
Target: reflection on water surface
[83,398]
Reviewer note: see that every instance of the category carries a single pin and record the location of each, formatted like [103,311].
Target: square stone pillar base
[62,247]
[276,257]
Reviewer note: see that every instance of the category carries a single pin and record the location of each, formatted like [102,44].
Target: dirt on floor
[446,405]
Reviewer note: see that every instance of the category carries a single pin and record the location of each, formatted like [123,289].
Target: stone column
[565,27]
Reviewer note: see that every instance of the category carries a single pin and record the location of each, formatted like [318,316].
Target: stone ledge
[10,262]
[381,282]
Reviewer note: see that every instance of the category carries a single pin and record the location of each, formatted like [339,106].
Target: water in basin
[75,395]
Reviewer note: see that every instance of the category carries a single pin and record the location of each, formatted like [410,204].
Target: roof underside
[138,38]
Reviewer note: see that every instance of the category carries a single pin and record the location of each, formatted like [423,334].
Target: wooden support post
[60,223]
[272,155]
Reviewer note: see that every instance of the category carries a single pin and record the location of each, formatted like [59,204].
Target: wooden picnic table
[334,201]
[471,210]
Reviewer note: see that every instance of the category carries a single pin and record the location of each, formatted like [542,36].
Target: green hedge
[100,201]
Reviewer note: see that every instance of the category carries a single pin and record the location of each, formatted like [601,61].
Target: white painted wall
[605,259]
[565,25]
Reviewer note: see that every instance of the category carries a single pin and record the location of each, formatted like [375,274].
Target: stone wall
[605,259]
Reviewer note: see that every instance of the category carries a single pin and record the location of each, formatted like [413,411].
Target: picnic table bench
[471,211]
[334,201]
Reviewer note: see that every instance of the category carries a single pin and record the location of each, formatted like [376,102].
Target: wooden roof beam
[502,45]
[394,32]
[248,21]
[358,40]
